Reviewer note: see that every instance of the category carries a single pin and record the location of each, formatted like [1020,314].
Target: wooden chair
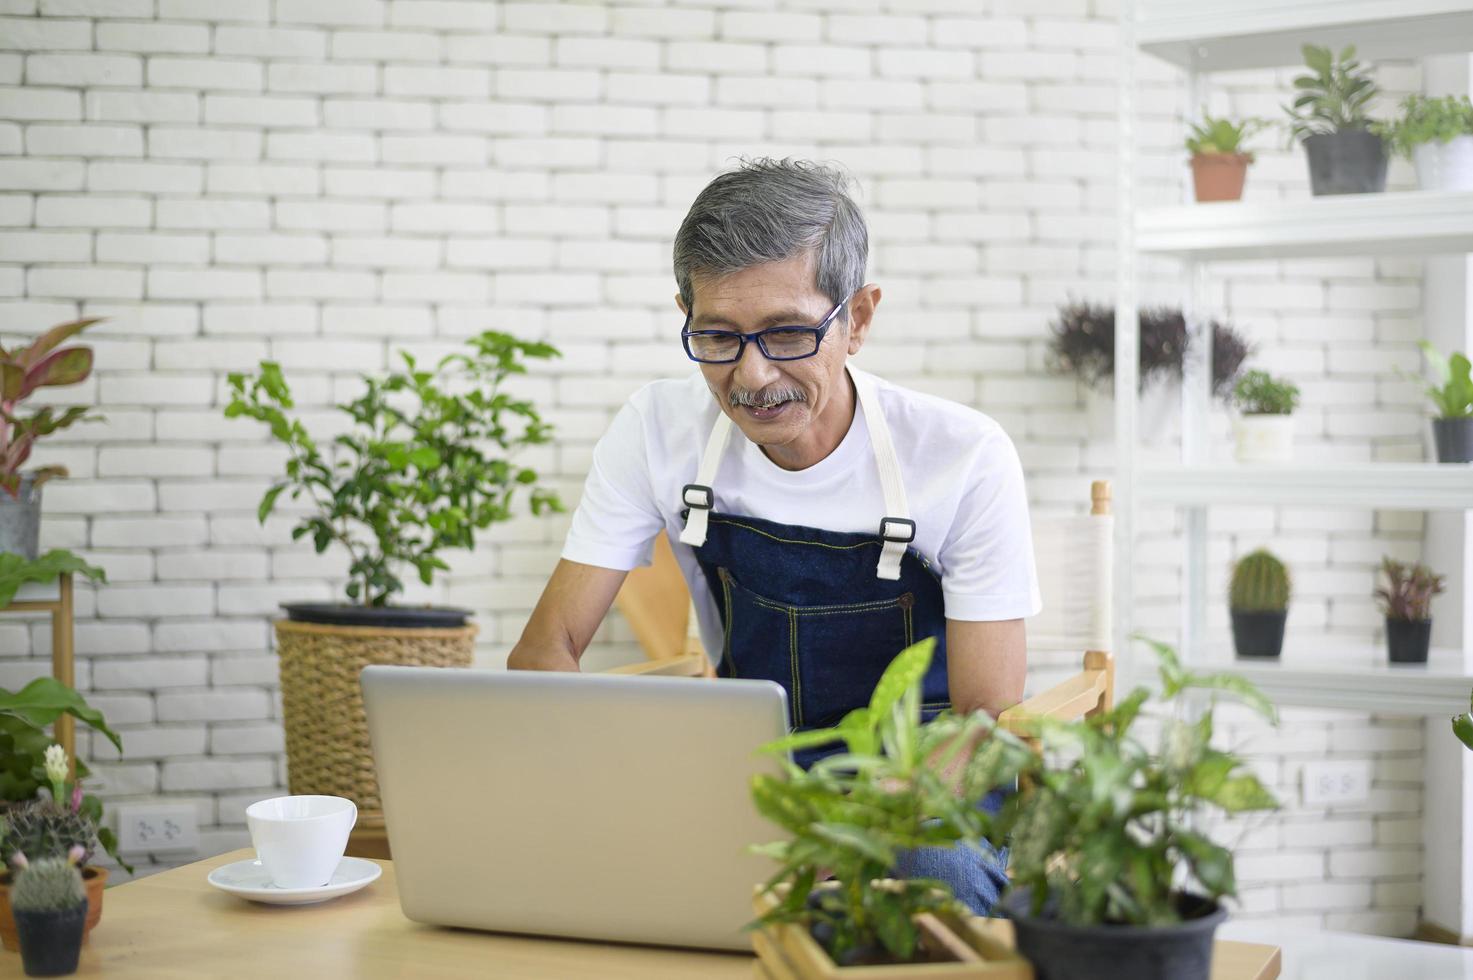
[1074,574]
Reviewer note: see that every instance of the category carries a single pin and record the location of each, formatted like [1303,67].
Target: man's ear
[680,304]
[862,315]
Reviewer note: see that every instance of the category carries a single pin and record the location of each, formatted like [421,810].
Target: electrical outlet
[1338,782]
[157,827]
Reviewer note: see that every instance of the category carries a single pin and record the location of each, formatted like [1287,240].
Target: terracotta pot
[93,878]
[1220,176]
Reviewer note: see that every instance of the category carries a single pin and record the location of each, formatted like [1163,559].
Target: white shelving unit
[1207,36]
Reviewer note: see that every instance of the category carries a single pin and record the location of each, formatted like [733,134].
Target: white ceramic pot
[1445,166]
[1264,438]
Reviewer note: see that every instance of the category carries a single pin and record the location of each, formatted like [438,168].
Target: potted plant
[1219,162]
[1330,117]
[65,824]
[1406,602]
[1114,874]
[1258,602]
[1463,726]
[1264,430]
[1436,134]
[1082,343]
[43,363]
[1452,395]
[425,463]
[900,784]
[50,909]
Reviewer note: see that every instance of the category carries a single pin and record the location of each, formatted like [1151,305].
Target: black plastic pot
[1454,440]
[1407,640]
[398,617]
[1352,162]
[1258,634]
[1059,951]
[50,942]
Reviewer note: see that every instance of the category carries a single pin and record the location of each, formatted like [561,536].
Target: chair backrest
[657,605]
[1075,558]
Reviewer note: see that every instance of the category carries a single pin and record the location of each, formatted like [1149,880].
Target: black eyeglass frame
[744,338]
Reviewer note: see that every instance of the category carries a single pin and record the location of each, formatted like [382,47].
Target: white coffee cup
[300,839]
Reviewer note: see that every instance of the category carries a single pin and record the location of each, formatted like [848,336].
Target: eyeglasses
[776,343]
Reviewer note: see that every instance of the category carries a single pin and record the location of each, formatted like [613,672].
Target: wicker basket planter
[327,747]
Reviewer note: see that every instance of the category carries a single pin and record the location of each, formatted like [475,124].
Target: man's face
[778,404]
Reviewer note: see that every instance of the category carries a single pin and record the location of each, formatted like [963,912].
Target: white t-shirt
[961,473]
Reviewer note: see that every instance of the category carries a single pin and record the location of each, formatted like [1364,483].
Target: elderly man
[842,520]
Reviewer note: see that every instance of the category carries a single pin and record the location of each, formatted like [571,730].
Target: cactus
[41,829]
[1260,583]
[48,885]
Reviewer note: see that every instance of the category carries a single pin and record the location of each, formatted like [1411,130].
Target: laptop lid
[581,805]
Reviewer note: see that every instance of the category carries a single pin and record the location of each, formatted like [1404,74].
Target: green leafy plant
[1425,119]
[1260,583]
[1108,828]
[1453,393]
[16,570]
[416,473]
[24,741]
[23,370]
[851,813]
[1221,135]
[1408,592]
[1463,726]
[48,885]
[1335,96]
[1260,393]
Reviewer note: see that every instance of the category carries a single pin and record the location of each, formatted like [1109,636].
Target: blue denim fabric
[803,607]
[977,878]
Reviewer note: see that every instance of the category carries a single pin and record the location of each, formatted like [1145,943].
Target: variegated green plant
[43,363]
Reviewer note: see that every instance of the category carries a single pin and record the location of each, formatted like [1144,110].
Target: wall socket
[1338,782]
[157,827]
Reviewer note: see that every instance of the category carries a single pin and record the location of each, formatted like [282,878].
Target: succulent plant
[1260,583]
[1260,393]
[1407,594]
[41,829]
[39,364]
[48,885]
[1221,135]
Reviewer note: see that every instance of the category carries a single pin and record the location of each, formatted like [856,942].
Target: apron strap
[896,529]
[698,496]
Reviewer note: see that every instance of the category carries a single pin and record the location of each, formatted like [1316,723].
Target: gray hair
[768,211]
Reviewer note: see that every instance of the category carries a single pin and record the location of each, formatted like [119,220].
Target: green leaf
[1212,865]
[904,673]
[45,699]
[855,839]
[1243,793]
[1463,728]
[268,502]
[16,570]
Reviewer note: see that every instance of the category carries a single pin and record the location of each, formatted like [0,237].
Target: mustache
[766,398]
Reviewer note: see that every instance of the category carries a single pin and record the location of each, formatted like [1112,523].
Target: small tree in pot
[1264,432]
[43,363]
[426,462]
[1219,162]
[1452,396]
[50,910]
[1436,134]
[1406,601]
[1258,601]
[1330,116]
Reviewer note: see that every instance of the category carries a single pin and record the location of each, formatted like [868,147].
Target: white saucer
[248,879]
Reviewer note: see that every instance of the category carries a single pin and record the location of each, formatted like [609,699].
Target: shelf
[1324,672]
[1223,35]
[1388,486]
[1404,223]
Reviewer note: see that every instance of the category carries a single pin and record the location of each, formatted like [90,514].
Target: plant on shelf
[901,784]
[1258,601]
[1264,430]
[1436,134]
[16,570]
[1082,343]
[1109,857]
[43,363]
[1463,726]
[50,907]
[1219,162]
[1406,602]
[1331,117]
[1452,397]
[426,461]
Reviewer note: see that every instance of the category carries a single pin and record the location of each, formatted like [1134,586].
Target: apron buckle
[904,530]
[704,497]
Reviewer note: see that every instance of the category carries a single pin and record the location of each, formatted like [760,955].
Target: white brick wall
[322,180]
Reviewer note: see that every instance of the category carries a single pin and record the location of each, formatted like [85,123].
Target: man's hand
[575,601]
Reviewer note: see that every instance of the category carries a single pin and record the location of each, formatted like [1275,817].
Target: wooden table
[175,925]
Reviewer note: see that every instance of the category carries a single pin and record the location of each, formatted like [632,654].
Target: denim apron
[823,613]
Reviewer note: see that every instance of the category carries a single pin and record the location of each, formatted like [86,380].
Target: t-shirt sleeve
[988,558]
[616,521]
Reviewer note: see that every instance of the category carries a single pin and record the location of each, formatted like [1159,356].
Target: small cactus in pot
[50,906]
[1258,600]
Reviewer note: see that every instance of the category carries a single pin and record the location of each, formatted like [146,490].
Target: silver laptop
[588,806]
